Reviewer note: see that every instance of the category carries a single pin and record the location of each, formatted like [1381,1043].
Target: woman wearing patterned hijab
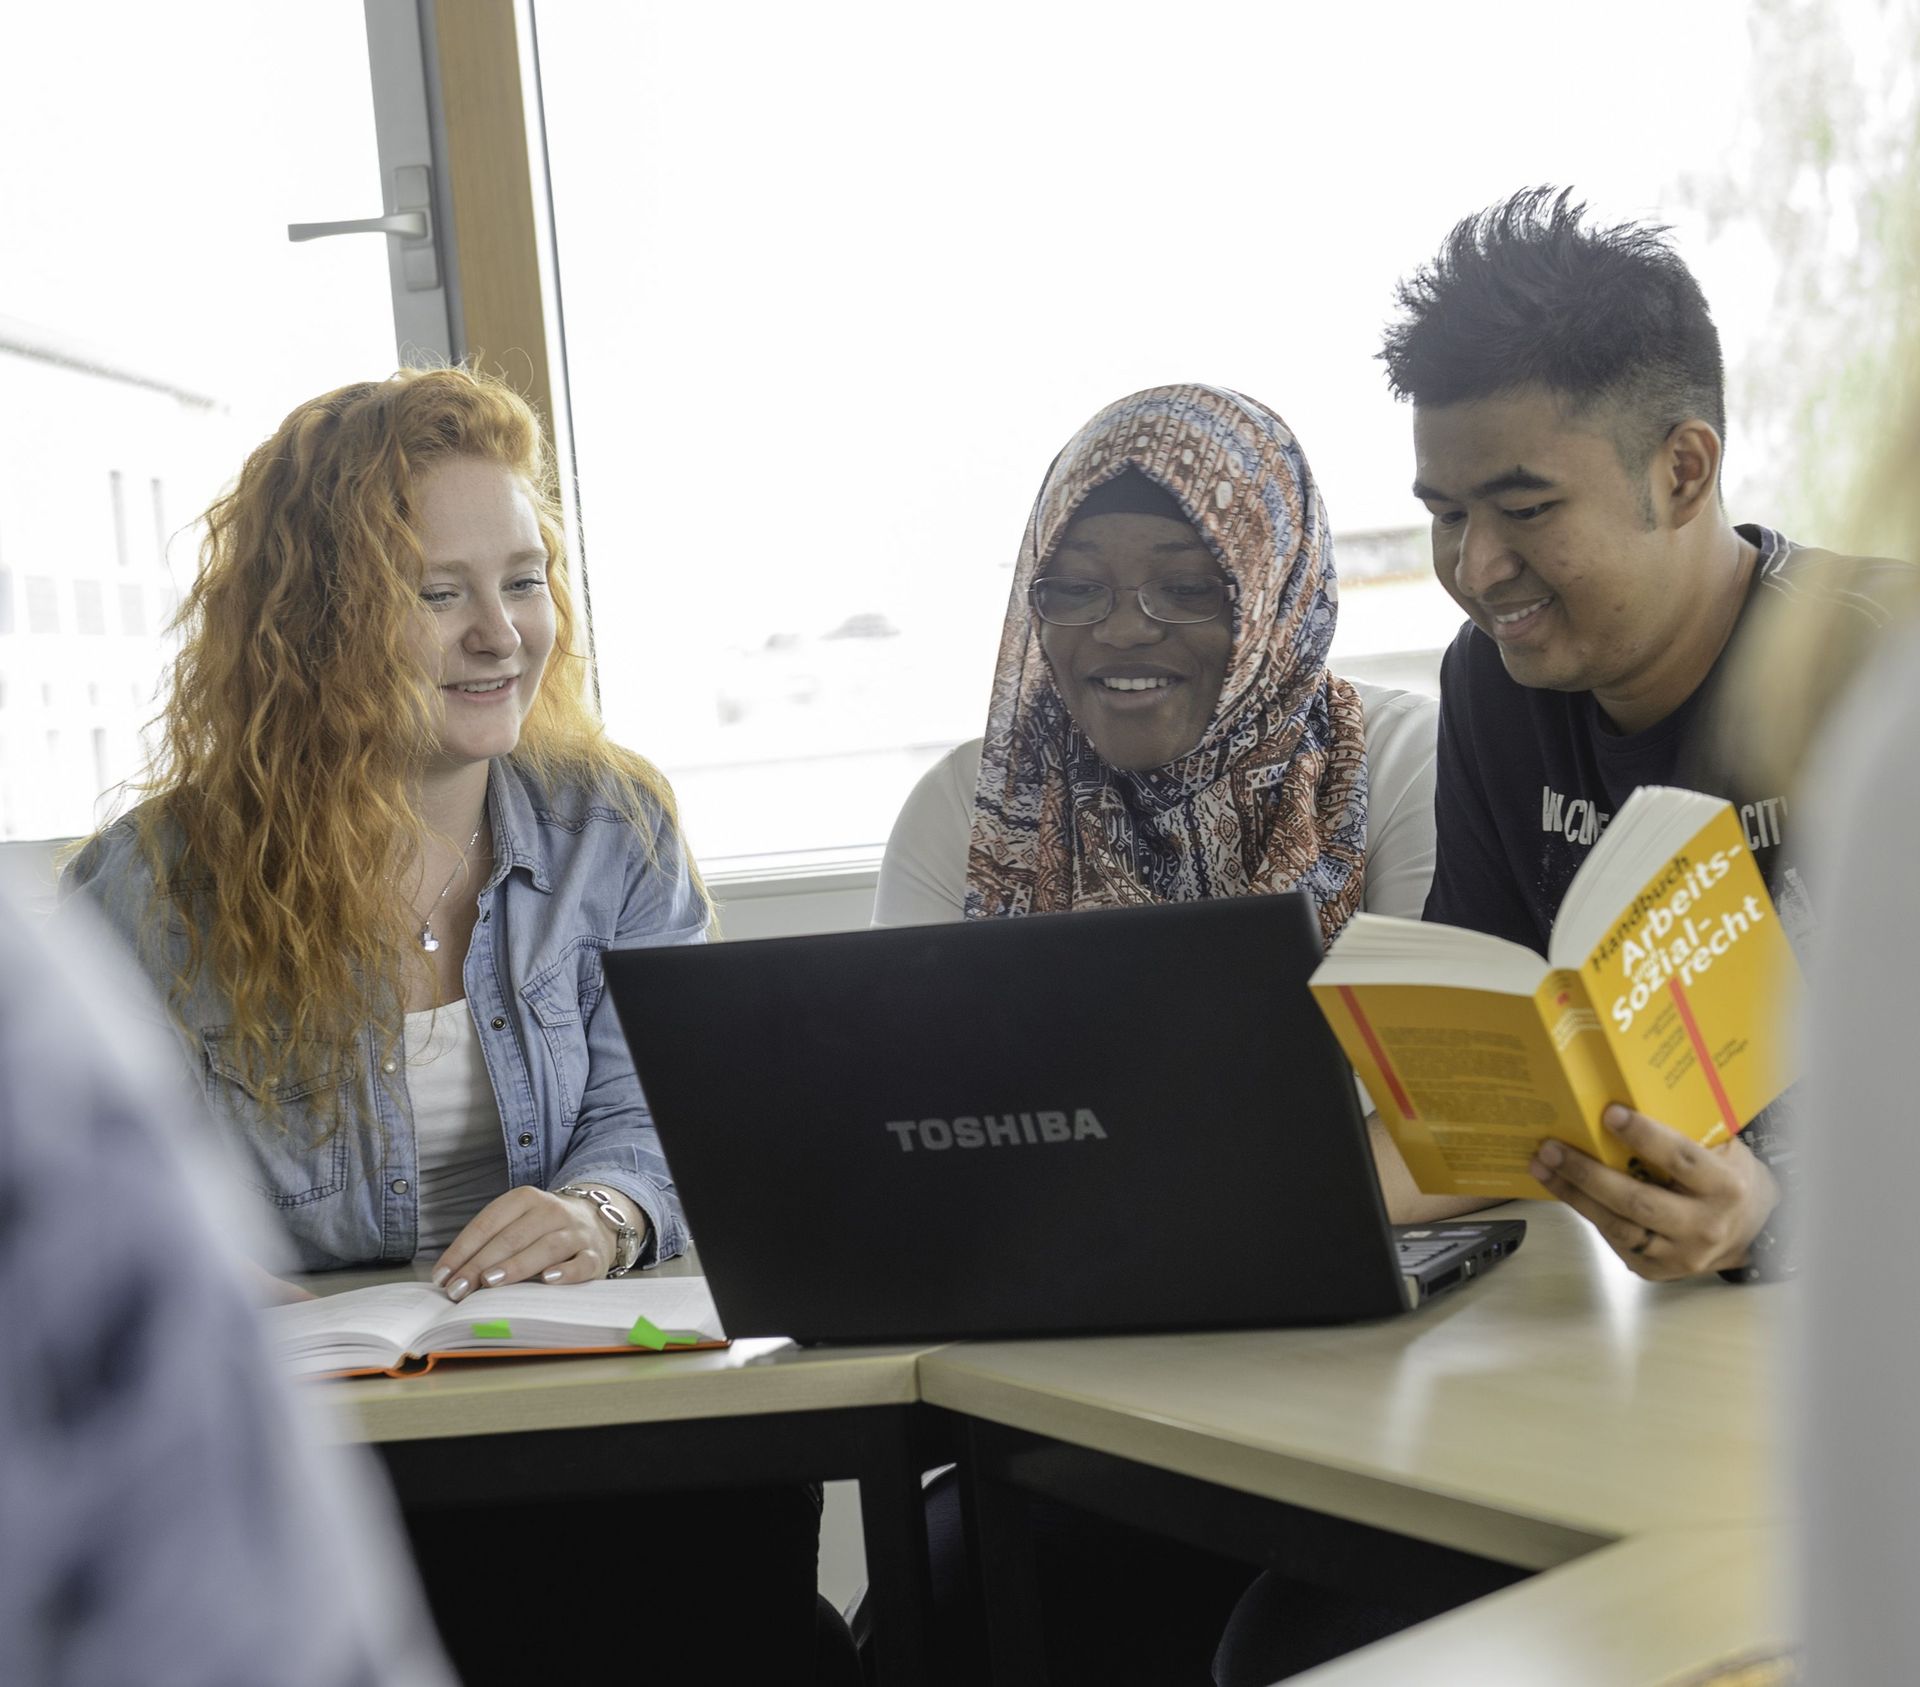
[1163,725]
[1163,729]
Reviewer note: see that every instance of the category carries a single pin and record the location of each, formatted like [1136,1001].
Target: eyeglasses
[1181,600]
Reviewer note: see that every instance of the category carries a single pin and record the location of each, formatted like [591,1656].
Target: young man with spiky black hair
[1569,419]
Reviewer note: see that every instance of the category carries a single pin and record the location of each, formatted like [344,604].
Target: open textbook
[1665,980]
[402,1328]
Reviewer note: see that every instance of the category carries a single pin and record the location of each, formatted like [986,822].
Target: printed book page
[1379,949]
[598,1314]
[359,1328]
[1468,1081]
[380,1327]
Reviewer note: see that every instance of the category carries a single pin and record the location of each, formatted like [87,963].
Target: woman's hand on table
[527,1233]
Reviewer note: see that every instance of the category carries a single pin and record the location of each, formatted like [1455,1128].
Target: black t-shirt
[1528,779]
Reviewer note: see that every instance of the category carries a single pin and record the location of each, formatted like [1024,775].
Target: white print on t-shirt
[1580,822]
[1796,912]
[1762,821]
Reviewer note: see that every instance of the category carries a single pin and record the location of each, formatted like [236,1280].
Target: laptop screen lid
[1122,1120]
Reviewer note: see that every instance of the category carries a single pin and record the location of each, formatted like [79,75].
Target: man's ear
[1685,471]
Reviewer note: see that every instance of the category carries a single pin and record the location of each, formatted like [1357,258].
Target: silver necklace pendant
[428,941]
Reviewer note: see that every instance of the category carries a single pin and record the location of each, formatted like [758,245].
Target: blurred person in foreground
[1831,695]
[168,1513]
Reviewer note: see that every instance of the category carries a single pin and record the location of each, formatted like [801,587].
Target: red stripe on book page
[1706,1060]
[1400,1097]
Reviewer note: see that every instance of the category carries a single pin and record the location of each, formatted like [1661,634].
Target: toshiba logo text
[996,1130]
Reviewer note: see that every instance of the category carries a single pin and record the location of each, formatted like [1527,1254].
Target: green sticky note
[646,1334]
[499,1327]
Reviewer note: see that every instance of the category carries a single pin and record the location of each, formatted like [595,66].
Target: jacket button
[497,1023]
[399,1186]
[526,1139]
[388,1066]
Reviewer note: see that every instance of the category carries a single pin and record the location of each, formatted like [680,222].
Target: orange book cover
[418,1365]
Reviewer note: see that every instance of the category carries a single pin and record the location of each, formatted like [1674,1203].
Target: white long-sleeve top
[923,879]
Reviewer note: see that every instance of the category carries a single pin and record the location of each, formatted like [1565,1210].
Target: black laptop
[1076,1123]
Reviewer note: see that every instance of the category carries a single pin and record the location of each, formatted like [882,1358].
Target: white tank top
[456,1122]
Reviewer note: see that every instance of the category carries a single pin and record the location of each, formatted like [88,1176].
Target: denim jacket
[571,879]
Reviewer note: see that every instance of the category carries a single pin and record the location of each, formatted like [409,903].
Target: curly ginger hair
[302,707]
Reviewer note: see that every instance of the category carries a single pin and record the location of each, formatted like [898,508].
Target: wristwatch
[626,1246]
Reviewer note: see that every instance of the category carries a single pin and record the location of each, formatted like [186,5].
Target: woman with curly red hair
[383,847]
[386,842]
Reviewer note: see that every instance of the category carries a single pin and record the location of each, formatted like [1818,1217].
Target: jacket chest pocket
[300,1151]
[561,1001]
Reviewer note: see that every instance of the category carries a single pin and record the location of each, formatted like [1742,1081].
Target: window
[159,496]
[89,608]
[117,493]
[43,604]
[156,323]
[839,281]
[830,313]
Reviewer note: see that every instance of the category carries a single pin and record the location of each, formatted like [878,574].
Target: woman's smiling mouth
[1133,689]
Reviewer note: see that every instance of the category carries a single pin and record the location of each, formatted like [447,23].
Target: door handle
[410,222]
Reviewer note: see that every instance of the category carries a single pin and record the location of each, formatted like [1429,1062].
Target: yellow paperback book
[1665,979]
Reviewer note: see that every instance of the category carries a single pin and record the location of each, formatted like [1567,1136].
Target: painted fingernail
[1550,1153]
[442,1275]
[1615,1118]
[493,1276]
[457,1288]
[552,1274]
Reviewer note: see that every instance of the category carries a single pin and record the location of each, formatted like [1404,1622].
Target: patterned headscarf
[1274,796]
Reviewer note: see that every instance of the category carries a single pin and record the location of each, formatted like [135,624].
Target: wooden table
[1560,1415]
[1658,1609]
[759,1412]
[1586,1459]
